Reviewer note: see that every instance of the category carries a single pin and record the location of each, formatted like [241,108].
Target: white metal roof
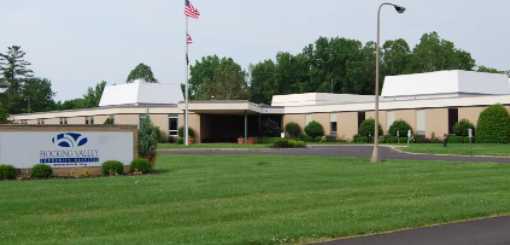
[141,92]
[318,99]
[446,82]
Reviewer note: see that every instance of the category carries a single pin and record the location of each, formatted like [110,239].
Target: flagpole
[186,92]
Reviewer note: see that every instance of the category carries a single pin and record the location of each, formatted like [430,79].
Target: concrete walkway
[363,151]
[494,231]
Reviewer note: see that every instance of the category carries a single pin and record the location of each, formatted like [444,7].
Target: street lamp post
[400,10]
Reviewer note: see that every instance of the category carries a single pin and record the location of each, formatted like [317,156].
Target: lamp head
[400,9]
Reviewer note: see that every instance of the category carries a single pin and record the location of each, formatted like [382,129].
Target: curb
[399,150]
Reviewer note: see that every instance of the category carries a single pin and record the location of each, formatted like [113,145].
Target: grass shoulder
[459,149]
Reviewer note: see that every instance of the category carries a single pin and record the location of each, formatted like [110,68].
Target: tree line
[22,92]
[335,65]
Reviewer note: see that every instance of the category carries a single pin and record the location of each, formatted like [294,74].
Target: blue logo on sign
[69,140]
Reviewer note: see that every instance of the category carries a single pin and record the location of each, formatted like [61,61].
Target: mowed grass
[250,200]
[461,149]
[212,145]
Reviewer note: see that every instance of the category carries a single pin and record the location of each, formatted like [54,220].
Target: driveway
[363,151]
[494,231]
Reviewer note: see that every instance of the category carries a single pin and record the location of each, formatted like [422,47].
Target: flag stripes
[190,10]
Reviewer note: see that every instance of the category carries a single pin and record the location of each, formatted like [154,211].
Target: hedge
[7,172]
[400,126]
[494,125]
[461,128]
[314,129]
[111,168]
[289,143]
[367,128]
[140,165]
[293,130]
[41,171]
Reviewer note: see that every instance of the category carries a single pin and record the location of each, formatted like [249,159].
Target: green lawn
[461,149]
[250,200]
[212,145]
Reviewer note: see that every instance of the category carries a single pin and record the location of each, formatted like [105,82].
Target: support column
[245,127]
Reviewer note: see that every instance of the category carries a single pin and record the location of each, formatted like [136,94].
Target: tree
[218,79]
[13,66]
[142,71]
[264,83]
[93,95]
[396,56]
[434,54]
[4,115]
[37,96]
[488,70]
[14,70]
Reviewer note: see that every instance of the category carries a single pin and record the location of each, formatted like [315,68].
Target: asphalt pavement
[494,231]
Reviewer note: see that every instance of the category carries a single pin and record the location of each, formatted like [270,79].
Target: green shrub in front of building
[148,138]
[289,143]
[141,166]
[112,168]
[461,128]
[191,134]
[366,131]
[7,172]
[314,129]
[41,171]
[400,128]
[293,130]
[494,125]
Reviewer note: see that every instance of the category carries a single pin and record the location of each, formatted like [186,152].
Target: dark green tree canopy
[434,54]
[142,71]
[217,79]
[37,96]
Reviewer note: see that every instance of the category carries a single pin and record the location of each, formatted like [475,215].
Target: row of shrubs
[114,168]
[108,168]
[39,171]
[493,127]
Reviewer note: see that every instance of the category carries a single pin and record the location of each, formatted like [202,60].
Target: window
[173,125]
[334,128]
[333,124]
[40,121]
[63,121]
[453,118]
[89,120]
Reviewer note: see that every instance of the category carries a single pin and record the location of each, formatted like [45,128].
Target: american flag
[189,40]
[190,10]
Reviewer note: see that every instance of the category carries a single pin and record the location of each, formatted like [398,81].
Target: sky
[77,43]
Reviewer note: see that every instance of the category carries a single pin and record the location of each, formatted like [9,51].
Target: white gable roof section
[446,82]
[140,92]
